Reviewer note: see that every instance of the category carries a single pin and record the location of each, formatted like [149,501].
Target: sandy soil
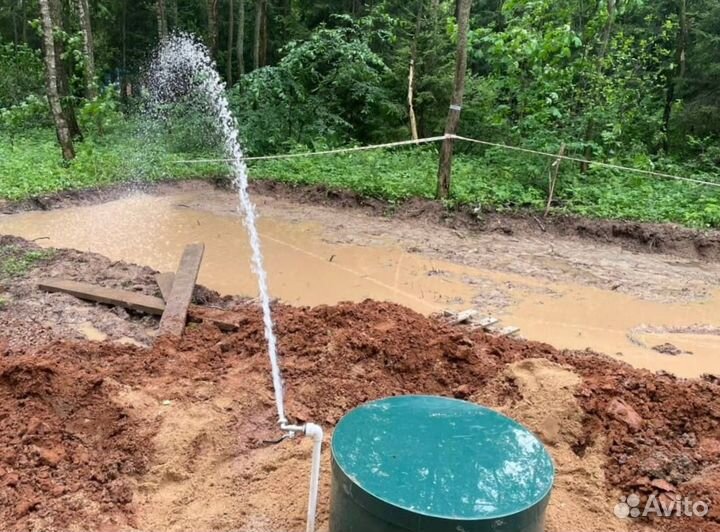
[111,436]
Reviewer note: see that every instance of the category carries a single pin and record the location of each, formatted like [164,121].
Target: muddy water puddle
[305,269]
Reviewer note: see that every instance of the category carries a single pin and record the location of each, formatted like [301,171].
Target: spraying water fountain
[184,66]
[410,463]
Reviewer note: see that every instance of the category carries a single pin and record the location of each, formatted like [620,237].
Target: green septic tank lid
[442,458]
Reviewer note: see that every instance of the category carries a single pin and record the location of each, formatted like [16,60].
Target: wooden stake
[552,180]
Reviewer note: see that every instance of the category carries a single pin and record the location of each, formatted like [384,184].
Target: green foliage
[101,113]
[31,113]
[15,261]
[21,74]
[498,180]
[186,126]
[31,165]
[328,86]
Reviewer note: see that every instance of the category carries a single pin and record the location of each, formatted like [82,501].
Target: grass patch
[505,182]
[16,261]
[31,166]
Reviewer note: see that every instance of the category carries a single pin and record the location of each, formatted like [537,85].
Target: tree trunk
[61,72]
[411,76]
[411,108]
[161,19]
[605,44]
[124,87]
[16,33]
[453,119]
[611,10]
[240,50]
[213,26]
[230,44]
[260,41]
[264,35]
[173,14]
[88,48]
[51,78]
[23,21]
[673,77]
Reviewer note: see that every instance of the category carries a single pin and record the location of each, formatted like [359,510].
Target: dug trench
[137,433]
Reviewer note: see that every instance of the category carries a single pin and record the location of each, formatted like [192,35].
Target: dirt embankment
[670,239]
[109,436]
[68,441]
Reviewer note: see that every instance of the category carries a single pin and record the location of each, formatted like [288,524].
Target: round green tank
[433,464]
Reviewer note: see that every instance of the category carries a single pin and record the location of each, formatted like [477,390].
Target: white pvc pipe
[316,433]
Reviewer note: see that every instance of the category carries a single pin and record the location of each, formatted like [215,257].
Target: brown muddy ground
[115,436]
[568,291]
[664,238]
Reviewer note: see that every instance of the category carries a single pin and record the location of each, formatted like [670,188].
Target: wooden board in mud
[173,319]
[109,296]
[223,319]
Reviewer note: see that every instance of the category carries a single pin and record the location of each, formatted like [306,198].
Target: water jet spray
[183,66]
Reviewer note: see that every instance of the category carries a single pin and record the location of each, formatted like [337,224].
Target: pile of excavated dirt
[177,436]
[117,437]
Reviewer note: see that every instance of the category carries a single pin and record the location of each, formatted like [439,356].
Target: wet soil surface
[637,236]
[113,436]
[669,239]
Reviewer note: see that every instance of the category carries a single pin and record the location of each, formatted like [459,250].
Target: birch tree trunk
[411,108]
[453,119]
[61,72]
[230,44]
[88,47]
[51,79]
[411,75]
[240,48]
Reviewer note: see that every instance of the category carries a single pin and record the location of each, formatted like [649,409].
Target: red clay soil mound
[663,433]
[64,440]
[65,447]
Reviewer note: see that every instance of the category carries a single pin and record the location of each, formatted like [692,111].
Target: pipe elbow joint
[314,431]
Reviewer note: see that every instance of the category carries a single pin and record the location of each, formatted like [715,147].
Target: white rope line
[466,139]
[595,163]
[324,152]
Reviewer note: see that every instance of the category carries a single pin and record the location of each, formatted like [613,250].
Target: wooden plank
[509,331]
[108,296]
[464,316]
[225,320]
[173,319]
[165,283]
[486,322]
